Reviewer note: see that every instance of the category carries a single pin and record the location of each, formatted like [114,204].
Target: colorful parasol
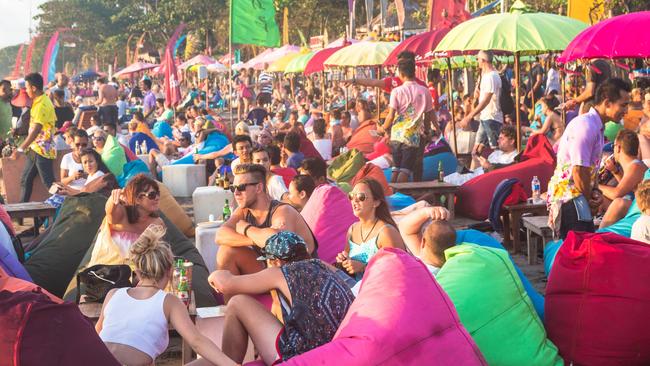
[280,64]
[197,60]
[419,44]
[135,67]
[315,64]
[299,63]
[366,53]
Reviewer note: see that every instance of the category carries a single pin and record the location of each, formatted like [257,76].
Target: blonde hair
[150,255]
[643,196]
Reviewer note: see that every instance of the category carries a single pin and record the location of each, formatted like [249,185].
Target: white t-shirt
[68,163]
[94,176]
[276,187]
[641,229]
[324,147]
[491,83]
[552,81]
[500,157]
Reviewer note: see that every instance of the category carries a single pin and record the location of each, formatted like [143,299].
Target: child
[641,227]
[133,321]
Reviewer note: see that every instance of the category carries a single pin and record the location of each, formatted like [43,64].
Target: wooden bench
[434,192]
[537,225]
[30,209]
[512,222]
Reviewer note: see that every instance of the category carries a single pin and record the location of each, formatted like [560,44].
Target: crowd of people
[276,164]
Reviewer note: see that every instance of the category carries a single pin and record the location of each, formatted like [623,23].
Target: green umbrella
[460,62]
[298,64]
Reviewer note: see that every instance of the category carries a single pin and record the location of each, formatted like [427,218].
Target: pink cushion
[474,197]
[329,215]
[598,300]
[401,317]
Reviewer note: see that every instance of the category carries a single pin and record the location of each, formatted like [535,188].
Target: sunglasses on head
[241,187]
[358,196]
[152,195]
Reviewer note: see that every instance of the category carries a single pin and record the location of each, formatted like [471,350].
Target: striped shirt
[265,77]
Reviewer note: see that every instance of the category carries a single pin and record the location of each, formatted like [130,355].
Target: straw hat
[21,100]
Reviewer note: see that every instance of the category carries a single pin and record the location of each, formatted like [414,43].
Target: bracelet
[246,229]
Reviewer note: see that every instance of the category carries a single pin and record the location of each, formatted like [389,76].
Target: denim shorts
[488,133]
[404,156]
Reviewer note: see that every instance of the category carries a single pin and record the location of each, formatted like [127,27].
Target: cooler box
[210,200]
[182,179]
[204,238]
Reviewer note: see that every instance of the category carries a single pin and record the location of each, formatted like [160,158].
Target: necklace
[154,286]
[363,240]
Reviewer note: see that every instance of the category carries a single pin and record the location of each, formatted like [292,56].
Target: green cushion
[346,166]
[611,130]
[113,156]
[494,307]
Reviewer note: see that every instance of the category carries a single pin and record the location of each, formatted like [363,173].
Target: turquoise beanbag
[214,142]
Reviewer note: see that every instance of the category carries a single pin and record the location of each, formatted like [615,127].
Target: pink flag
[47,57]
[28,57]
[172,87]
[19,61]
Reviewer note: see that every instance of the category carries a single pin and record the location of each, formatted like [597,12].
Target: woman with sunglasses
[72,173]
[376,228]
[98,177]
[99,140]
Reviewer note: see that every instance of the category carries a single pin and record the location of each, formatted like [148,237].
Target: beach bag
[101,278]
[345,166]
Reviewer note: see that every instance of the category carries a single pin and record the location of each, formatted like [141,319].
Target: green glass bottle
[226,211]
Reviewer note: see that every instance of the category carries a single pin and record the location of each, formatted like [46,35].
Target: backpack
[505,99]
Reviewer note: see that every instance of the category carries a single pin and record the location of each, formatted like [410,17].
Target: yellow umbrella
[280,64]
[366,53]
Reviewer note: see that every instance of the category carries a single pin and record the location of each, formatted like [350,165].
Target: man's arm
[100,97]
[257,283]
[228,236]
[582,180]
[375,83]
[411,226]
[33,133]
[213,155]
[388,122]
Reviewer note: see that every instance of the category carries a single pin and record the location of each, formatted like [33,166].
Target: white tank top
[140,324]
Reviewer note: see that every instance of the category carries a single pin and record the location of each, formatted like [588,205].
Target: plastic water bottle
[536,189]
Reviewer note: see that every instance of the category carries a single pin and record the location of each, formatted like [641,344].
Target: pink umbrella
[226,59]
[197,60]
[135,67]
[617,37]
[258,62]
[419,44]
[255,60]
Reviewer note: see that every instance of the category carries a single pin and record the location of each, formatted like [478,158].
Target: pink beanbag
[401,317]
[473,197]
[598,300]
[329,215]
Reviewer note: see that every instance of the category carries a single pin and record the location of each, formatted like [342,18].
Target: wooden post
[450,97]
[518,117]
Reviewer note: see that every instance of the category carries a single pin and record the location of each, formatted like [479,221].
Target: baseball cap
[285,245]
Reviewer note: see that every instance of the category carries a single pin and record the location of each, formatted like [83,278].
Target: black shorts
[569,221]
[404,156]
[108,114]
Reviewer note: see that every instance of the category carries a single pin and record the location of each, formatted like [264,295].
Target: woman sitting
[375,229]
[97,176]
[553,127]
[133,321]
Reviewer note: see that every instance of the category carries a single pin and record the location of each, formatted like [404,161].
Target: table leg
[516,226]
[451,206]
[532,247]
[507,240]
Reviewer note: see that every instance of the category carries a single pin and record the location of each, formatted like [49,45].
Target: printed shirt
[580,145]
[42,113]
[410,102]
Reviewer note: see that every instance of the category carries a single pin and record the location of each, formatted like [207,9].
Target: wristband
[246,229]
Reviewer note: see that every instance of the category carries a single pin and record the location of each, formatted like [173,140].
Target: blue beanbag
[214,142]
[550,251]
[399,201]
[131,169]
[162,128]
[138,138]
[482,239]
[430,165]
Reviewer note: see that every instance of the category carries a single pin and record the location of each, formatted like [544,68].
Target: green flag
[253,22]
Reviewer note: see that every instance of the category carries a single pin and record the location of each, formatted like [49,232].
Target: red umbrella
[419,44]
[316,62]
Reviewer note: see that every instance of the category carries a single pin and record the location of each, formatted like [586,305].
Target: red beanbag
[401,317]
[371,171]
[362,139]
[598,300]
[473,197]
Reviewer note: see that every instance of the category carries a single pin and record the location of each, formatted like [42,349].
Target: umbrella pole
[377,93]
[563,90]
[293,94]
[450,97]
[322,83]
[517,75]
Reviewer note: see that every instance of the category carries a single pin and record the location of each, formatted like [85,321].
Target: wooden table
[512,222]
[30,209]
[536,225]
[434,192]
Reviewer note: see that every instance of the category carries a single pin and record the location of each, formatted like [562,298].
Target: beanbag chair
[380,148]
[611,130]
[287,174]
[113,156]
[505,326]
[54,262]
[362,139]
[550,252]
[131,169]
[128,154]
[162,129]
[170,207]
[624,226]
[371,171]
[307,147]
[10,264]
[345,166]
[409,322]
[214,142]
[430,165]
[329,216]
[537,159]
[598,300]
[471,236]
[13,284]
[140,137]
[398,201]
[39,331]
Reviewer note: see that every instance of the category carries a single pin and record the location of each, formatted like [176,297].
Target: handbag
[101,278]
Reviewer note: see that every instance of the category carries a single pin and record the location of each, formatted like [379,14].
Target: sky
[14,27]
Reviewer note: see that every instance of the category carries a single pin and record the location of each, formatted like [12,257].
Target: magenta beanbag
[473,197]
[329,216]
[597,309]
[401,317]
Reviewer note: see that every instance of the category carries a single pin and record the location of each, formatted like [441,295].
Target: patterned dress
[320,302]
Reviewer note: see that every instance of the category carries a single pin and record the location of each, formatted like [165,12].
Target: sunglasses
[81,145]
[152,195]
[98,138]
[242,187]
[358,196]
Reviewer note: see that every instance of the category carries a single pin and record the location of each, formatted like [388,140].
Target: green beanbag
[346,166]
[113,156]
[494,307]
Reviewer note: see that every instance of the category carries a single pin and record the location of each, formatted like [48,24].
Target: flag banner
[384,12]
[351,9]
[253,22]
[401,13]
[19,61]
[178,43]
[446,13]
[172,86]
[589,11]
[28,57]
[49,57]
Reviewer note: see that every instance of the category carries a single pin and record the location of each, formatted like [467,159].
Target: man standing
[62,84]
[149,100]
[572,191]
[106,102]
[488,108]
[5,107]
[410,116]
[40,142]
[265,83]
